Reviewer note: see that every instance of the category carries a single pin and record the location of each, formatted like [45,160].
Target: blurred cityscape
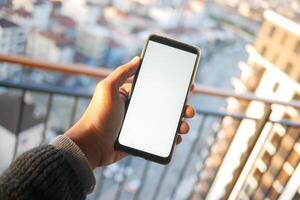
[107,33]
[239,147]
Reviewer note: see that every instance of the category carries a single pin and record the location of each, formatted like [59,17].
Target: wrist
[86,140]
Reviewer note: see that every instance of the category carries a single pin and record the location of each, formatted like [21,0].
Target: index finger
[122,73]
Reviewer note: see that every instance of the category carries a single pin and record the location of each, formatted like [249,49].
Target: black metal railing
[116,183]
[48,91]
[132,177]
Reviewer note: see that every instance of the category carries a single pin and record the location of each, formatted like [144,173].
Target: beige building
[279,43]
[251,159]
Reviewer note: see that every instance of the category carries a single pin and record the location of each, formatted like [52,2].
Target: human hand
[97,130]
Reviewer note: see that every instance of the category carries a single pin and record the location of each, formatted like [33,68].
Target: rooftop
[23,13]
[65,21]
[60,40]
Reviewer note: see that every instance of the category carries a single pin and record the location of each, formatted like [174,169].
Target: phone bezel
[174,44]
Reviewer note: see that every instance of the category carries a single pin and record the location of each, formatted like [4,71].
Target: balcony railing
[186,177]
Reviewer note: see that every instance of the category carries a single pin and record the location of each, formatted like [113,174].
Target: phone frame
[174,44]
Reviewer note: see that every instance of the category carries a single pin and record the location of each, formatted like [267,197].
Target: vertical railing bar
[269,162]
[190,153]
[160,181]
[239,120]
[251,145]
[277,174]
[143,179]
[73,112]
[19,124]
[204,159]
[249,173]
[121,185]
[214,135]
[101,181]
[49,106]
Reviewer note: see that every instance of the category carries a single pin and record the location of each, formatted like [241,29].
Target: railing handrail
[83,94]
[210,91]
[41,88]
[73,69]
[100,73]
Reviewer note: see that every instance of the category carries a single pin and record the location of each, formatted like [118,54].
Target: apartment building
[257,159]
[12,37]
[12,41]
[92,43]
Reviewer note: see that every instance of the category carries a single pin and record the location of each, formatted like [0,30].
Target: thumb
[122,73]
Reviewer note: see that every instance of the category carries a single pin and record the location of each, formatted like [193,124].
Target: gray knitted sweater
[56,171]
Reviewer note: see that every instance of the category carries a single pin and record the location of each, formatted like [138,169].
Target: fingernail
[135,59]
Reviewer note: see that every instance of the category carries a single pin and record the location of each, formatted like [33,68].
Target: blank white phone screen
[156,103]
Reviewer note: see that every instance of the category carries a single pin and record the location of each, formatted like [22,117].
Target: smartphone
[159,92]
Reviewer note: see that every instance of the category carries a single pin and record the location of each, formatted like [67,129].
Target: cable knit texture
[41,173]
[77,160]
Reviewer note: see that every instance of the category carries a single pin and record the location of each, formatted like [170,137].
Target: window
[276,139]
[263,50]
[297,48]
[288,68]
[266,157]
[275,87]
[272,31]
[283,39]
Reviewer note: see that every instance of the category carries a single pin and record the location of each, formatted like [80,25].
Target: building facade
[12,37]
[253,159]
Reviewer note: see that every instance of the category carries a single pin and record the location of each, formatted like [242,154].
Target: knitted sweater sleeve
[47,172]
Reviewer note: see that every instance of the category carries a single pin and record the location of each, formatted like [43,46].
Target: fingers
[122,73]
[125,90]
[121,155]
[126,87]
[184,127]
[178,139]
[118,155]
[193,87]
[189,111]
